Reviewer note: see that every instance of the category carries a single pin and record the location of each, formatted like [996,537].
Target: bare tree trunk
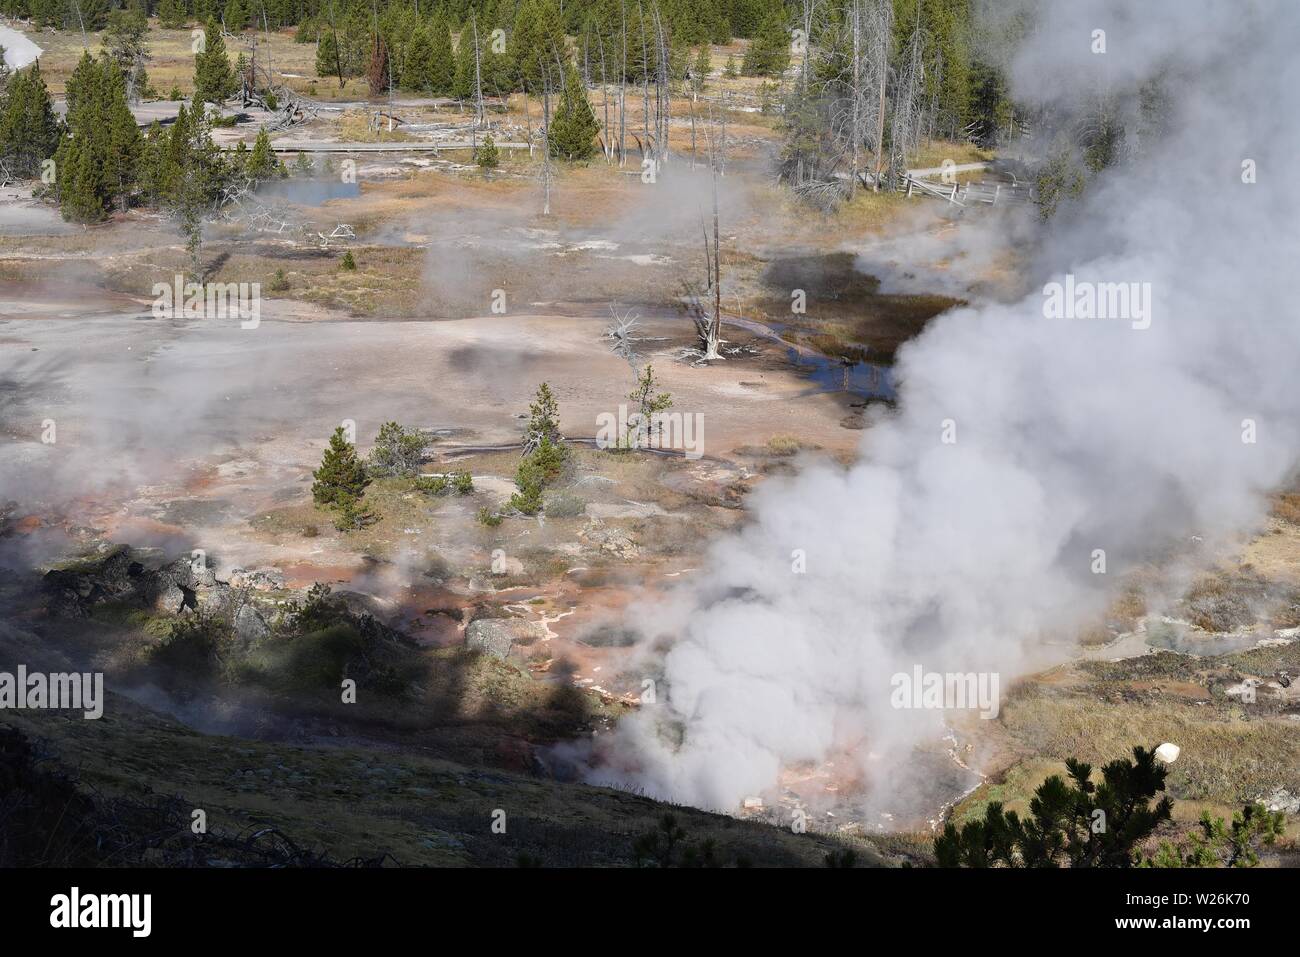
[722,148]
[663,100]
[716,338]
[622,94]
[695,97]
[528,120]
[546,143]
[604,88]
[708,315]
[856,126]
[880,128]
[478,74]
[645,109]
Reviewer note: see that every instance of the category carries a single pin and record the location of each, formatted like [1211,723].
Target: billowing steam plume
[1072,435]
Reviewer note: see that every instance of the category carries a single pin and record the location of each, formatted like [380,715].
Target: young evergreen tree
[769,51]
[149,170]
[700,68]
[442,58]
[486,156]
[80,186]
[214,80]
[1083,824]
[125,42]
[463,84]
[187,173]
[537,45]
[236,16]
[96,163]
[341,478]
[415,67]
[171,14]
[262,164]
[29,133]
[543,421]
[398,451]
[329,60]
[121,152]
[573,127]
[522,44]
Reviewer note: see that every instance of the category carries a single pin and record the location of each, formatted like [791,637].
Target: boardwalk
[418,146]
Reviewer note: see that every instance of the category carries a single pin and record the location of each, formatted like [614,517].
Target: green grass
[361,801]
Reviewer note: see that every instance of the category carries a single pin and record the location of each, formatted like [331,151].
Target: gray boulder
[168,597]
[497,636]
[249,624]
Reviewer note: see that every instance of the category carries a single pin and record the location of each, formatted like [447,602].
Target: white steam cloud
[1071,434]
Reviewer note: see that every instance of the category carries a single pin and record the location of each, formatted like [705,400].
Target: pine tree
[214,80]
[700,68]
[543,421]
[341,478]
[537,45]
[496,68]
[573,127]
[522,45]
[487,156]
[236,16]
[171,14]
[398,451]
[327,56]
[415,69]
[123,143]
[149,169]
[462,85]
[173,156]
[96,163]
[442,60]
[262,164]
[125,42]
[29,133]
[1063,826]
[729,68]
[945,56]
[80,193]
[769,52]
[187,173]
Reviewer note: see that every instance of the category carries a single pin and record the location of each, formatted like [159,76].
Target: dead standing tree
[481,119]
[705,307]
[662,89]
[623,337]
[548,171]
[908,119]
[622,88]
[839,111]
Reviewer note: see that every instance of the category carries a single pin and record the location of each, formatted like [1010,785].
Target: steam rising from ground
[1072,434]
